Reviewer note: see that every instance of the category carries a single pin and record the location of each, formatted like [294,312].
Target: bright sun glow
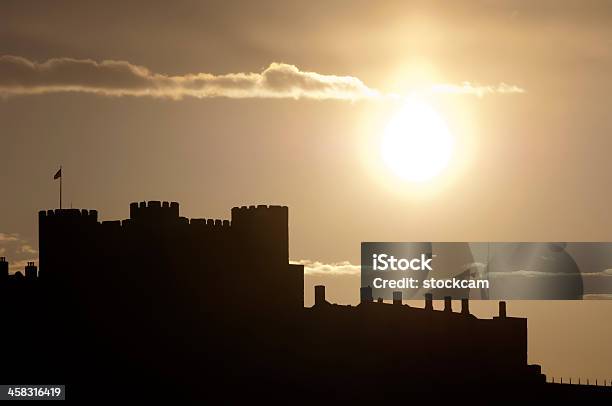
[417,145]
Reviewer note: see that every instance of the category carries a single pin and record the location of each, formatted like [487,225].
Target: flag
[58,174]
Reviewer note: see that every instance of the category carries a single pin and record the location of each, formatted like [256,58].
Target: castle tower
[261,244]
[63,234]
[154,212]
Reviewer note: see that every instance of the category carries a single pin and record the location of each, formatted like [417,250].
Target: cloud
[21,76]
[605,272]
[5,238]
[27,249]
[597,296]
[119,78]
[476,90]
[333,269]
[530,274]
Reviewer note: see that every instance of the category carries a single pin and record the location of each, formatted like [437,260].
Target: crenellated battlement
[256,216]
[166,214]
[90,215]
[210,223]
[154,210]
[260,207]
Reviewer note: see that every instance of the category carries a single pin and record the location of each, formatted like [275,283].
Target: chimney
[502,309]
[397,298]
[4,268]
[319,295]
[465,306]
[428,301]
[448,304]
[366,294]
[31,271]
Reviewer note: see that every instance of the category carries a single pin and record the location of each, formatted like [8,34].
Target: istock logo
[384,262]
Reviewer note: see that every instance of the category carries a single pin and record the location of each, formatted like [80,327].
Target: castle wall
[161,253]
[402,345]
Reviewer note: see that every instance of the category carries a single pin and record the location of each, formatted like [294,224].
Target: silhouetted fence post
[465,306]
[428,301]
[319,294]
[448,304]
[502,310]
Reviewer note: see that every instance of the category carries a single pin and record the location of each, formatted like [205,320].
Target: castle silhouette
[163,305]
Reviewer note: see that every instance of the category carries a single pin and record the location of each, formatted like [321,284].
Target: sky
[221,104]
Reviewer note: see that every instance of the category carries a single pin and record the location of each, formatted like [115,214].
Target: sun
[417,145]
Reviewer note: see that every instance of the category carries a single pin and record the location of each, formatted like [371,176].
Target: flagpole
[61,176]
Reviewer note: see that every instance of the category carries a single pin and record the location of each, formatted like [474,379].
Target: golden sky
[221,104]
